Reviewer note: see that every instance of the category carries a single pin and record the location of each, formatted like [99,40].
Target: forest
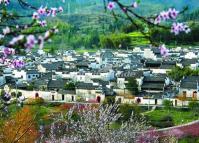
[86,25]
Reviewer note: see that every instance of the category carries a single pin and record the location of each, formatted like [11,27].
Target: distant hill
[96,6]
[87,17]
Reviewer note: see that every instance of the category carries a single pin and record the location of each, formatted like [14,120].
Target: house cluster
[94,76]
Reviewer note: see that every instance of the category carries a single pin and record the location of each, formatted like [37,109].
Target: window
[119,100]
[194,95]
[53,97]
[29,76]
[36,95]
[62,96]
[72,98]
[184,94]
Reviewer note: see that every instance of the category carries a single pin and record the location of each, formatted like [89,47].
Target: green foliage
[132,86]
[167,104]
[69,86]
[115,41]
[109,100]
[179,116]
[30,87]
[164,122]
[159,35]
[178,73]
[189,139]
[13,94]
[35,101]
[194,106]
[19,94]
[126,110]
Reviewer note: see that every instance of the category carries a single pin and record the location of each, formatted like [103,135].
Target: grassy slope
[179,117]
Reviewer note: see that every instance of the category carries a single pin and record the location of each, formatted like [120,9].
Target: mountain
[88,19]
[96,6]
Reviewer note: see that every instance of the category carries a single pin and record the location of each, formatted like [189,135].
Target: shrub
[13,94]
[164,122]
[19,94]
[109,100]
[166,118]
[126,111]
[35,101]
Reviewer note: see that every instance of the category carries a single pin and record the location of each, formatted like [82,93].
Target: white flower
[6,30]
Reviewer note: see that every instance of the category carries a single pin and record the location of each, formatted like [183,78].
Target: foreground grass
[178,116]
[189,140]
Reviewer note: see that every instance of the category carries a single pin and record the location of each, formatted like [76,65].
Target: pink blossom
[41,11]
[8,51]
[41,42]
[179,27]
[124,9]
[6,2]
[157,20]
[30,41]
[43,23]
[6,30]
[47,34]
[16,39]
[61,9]
[1,36]
[173,13]
[164,15]
[163,50]
[135,5]
[53,12]
[111,5]
[17,63]
[35,15]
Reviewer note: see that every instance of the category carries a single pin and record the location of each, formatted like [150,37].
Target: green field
[138,39]
[179,116]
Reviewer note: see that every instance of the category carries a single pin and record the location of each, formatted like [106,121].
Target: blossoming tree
[96,125]
[18,37]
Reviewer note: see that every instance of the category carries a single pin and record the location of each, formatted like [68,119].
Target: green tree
[167,104]
[115,41]
[178,73]
[109,100]
[194,106]
[132,86]
[69,86]
[126,110]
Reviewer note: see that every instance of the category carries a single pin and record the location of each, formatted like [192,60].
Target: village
[91,77]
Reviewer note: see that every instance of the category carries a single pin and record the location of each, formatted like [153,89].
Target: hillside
[88,20]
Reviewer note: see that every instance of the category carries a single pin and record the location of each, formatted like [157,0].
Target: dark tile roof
[47,75]
[67,92]
[32,72]
[191,78]
[152,63]
[87,86]
[166,66]
[190,82]
[152,86]
[53,66]
[127,74]
[154,79]
[56,84]
[187,62]
[188,85]
[101,82]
